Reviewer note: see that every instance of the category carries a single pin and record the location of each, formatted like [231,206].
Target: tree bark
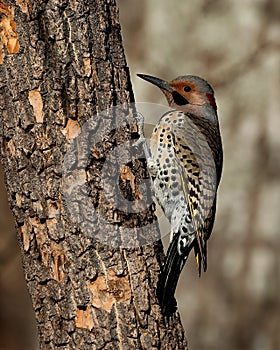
[92,286]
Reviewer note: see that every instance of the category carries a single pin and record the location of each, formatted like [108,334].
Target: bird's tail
[169,276]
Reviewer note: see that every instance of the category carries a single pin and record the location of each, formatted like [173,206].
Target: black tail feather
[169,276]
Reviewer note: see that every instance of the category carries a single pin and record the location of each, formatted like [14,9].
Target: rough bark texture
[61,63]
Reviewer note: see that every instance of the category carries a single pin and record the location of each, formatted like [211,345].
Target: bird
[185,161]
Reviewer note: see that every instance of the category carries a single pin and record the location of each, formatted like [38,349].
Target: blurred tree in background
[235,45]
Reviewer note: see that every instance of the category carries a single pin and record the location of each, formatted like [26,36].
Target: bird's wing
[198,178]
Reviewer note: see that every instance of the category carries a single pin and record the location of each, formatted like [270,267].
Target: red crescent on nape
[212,101]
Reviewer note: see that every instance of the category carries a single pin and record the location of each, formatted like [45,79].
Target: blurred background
[235,45]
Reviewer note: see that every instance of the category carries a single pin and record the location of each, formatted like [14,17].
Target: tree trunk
[91,271]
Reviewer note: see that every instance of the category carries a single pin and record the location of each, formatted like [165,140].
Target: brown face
[185,92]
[182,94]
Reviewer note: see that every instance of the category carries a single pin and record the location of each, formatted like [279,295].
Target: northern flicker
[185,163]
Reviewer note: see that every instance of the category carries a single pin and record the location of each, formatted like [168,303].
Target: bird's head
[187,93]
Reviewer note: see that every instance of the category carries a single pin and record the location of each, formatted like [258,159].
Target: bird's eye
[187,88]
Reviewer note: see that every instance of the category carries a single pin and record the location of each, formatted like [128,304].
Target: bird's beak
[156,81]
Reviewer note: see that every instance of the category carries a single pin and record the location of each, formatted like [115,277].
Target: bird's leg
[142,140]
[151,164]
[140,124]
